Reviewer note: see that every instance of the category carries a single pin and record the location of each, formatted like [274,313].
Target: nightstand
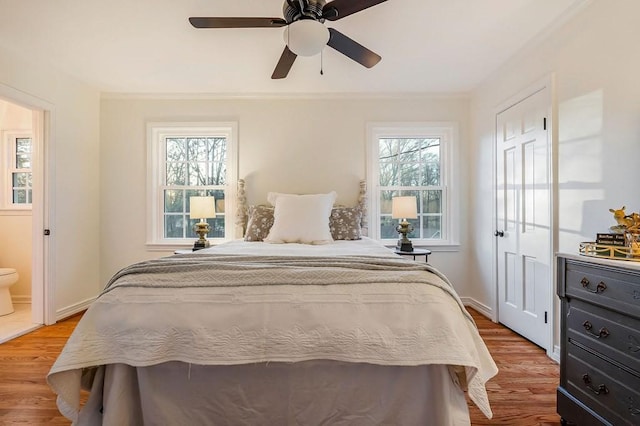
[414,253]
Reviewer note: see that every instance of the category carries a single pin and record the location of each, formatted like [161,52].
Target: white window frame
[157,132]
[8,161]
[447,132]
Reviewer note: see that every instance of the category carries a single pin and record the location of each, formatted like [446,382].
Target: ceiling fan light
[306,37]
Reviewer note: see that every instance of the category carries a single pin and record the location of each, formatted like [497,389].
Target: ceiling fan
[306,33]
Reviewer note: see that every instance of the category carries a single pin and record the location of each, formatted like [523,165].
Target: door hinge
[546,317]
[47,232]
[544,123]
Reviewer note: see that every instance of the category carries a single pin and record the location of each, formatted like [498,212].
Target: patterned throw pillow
[344,223]
[259,223]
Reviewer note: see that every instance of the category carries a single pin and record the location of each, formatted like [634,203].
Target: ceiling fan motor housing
[312,10]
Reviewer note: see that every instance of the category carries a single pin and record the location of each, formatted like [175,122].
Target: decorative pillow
[302,219]
[259,223]
[344,223]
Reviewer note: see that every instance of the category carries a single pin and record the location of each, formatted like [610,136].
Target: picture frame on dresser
[600,341]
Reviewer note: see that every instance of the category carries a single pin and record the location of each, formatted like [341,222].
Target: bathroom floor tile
[17,323]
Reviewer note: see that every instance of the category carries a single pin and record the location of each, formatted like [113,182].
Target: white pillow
[273,196]
[302,219]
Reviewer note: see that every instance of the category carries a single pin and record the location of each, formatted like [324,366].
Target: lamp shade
[404,208]
[306,37]
[202,207]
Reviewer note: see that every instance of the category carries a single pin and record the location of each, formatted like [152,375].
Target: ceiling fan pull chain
[321,61]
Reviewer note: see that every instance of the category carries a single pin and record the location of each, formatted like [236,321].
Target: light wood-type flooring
[523,393]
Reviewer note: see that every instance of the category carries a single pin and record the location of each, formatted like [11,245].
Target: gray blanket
[224,270]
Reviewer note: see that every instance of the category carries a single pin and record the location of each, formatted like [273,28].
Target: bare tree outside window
[411,167]
[194,166]
[187,159]
[21,174]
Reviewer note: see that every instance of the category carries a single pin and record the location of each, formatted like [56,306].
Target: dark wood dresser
[600,341]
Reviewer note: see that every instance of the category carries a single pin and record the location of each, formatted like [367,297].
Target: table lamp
[404,208]
[202,208]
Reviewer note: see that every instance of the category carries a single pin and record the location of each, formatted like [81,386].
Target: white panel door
[524,219]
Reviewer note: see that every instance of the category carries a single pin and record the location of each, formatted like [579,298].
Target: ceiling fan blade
[237,22]
[352,49]
[338,9]
[284,64]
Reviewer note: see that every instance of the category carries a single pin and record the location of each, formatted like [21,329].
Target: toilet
[8,277]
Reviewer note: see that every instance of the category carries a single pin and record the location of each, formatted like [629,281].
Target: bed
[340,332]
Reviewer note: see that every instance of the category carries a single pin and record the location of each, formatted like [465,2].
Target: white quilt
[380,310]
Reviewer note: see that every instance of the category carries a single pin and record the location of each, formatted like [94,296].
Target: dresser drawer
[608,287]
[614,335]
[608,390]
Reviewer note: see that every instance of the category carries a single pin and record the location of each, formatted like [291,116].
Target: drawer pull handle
[603,332]
[601,287]
[601,389]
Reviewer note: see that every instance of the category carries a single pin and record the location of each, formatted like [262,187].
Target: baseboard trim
[21,300]
[480,307]
[555,355]
[74,309]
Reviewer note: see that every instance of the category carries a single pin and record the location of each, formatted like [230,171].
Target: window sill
[15,212]
[431,245]
[165,247]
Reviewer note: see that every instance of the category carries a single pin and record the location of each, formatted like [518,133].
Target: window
[18,148]
[413,159]
[190,159]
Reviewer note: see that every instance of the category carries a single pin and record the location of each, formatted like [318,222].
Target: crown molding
[281,96]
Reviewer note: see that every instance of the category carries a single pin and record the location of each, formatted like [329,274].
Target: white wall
[15,252]
[597,68]
[287,145]
[15,226]
[73,173]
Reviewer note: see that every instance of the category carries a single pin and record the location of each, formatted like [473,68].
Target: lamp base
[201,228]
[198,245]
[404,246]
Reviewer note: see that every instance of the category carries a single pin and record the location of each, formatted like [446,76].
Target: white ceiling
[148,46]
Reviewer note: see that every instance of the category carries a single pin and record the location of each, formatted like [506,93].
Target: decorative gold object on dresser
[625,222]
[622,243]
[592,249]
[600,341]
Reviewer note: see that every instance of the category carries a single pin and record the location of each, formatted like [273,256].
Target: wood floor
[523,393]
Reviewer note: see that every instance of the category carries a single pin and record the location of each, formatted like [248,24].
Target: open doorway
[23,134]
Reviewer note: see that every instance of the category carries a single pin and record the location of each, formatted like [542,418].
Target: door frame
[553,351]
[43,310]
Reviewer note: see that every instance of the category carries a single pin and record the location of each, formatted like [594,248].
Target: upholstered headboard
[242,214]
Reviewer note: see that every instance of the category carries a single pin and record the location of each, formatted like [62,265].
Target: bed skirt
[317,392]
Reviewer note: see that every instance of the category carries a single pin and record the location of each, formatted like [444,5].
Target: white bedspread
[415,321]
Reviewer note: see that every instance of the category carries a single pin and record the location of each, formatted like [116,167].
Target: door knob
[499,233]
